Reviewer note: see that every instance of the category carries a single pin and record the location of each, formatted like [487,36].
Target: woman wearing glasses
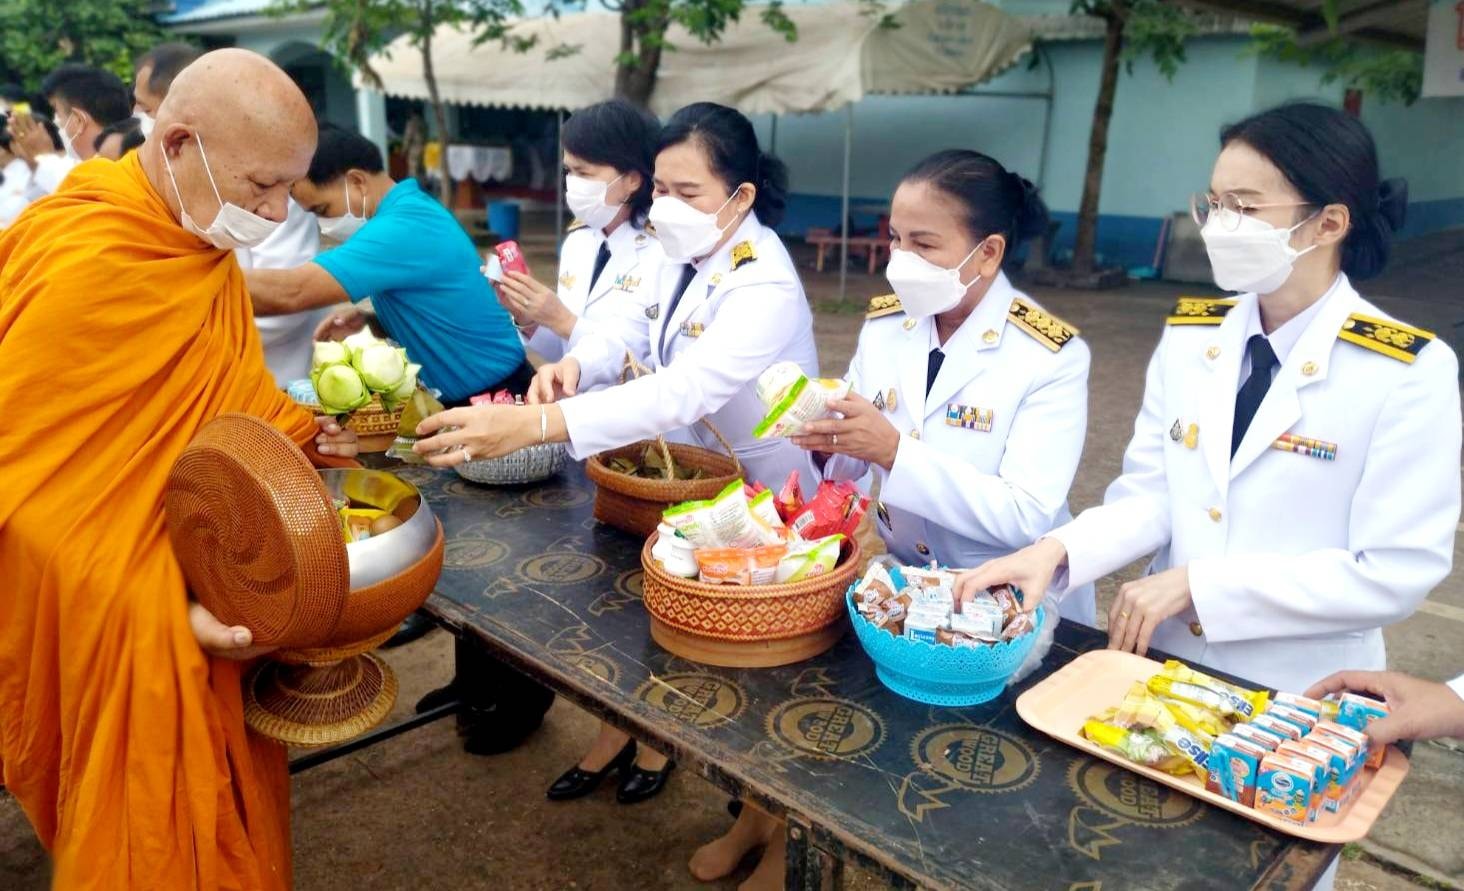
[1295,464]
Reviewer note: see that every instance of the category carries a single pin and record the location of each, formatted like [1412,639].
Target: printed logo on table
[629,587]
[557,497]
[561,568]
[978,759]
[1128,796]
[468,552]
[702,700]
[826,727]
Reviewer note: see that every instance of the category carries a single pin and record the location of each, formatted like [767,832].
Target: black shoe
[577,783]
[639,784]
[734,807]
[488,731]
[413,627]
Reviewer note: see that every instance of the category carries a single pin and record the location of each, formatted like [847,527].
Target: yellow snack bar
[1140,708]
[1242,703]
[1196,717]
[1139,746]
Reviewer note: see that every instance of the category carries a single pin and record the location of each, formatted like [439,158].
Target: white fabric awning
[840,55]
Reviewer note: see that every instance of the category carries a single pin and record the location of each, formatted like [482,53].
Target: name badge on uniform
[626,282]
[1303,445]
[653,311]
[566,281]
[692,329]
[969,417]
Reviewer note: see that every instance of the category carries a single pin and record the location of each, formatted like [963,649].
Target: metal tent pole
[558,182]
[844,204]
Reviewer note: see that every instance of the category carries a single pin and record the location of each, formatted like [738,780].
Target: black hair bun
[1393,201]
[1032,216]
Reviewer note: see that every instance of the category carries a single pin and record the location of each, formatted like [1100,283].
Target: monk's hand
[459,435]
[863,433]
[1142,604]
[531,301]
[218,639]
[340,324]
[554,381]
[335,440]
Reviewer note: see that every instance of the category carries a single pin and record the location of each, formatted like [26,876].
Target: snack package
[922,626]
[1354,750]
[1284,729]
[1140,708]
[794,400]
[1302,752]
[511,257]
[1353,738]
[1339,768]
[982,618]
[837,507]
[356,522]
[1242,703]
[1235,767]
[724,521]
[1020,625]
[806,559]
[876,586]
[1357,712]
[1312,707]
[1006,597]
[738,566]
[790,498]
[762,506]
[1258,735]
[1139,746]
[1196,717]
[1284,788]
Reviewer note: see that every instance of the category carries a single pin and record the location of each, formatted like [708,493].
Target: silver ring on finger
[834,440]
[467,454]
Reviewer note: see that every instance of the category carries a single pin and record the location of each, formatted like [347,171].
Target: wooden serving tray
[1060,704]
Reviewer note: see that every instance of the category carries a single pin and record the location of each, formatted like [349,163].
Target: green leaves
[38,35]
[1388,75]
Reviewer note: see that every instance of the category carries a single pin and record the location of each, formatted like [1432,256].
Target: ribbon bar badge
[969,417]
[1301,445]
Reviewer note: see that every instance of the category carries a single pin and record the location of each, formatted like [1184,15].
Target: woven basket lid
[256,533]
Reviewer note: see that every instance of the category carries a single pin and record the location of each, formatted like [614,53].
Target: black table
[936,797]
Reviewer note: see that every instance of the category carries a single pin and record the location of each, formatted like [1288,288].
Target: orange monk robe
[121,334]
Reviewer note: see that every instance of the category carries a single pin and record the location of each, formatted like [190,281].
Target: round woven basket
[635,504]
[376,428]
[734,624]
[256,534]
[527,465]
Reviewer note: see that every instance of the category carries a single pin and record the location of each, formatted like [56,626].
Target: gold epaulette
[884,305]
[1200,310]
[573,225]
[1045,328]
[1395,339]
[742,254]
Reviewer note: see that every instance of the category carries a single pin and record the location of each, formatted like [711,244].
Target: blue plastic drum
[503,220]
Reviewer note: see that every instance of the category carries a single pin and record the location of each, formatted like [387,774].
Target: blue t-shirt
[421,272]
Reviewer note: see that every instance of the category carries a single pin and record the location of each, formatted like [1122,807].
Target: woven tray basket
[748,613]
[527,465]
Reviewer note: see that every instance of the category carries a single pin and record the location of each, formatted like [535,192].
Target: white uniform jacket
[622,301]
[985,461]
[743,311]
[1335,517]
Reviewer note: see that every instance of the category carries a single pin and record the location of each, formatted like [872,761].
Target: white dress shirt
[288,339]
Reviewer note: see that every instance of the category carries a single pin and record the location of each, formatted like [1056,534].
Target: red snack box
[837,507]
[511,257]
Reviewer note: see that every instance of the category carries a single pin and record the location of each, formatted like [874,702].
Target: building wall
[1162,140]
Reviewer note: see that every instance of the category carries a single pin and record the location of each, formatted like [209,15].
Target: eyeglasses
[1229,208]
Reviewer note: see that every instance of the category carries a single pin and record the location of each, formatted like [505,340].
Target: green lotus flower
[329,352]
[404,390]
[382,366]
[359,341]
[340,389]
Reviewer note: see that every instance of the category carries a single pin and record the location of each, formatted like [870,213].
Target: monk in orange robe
[123,330]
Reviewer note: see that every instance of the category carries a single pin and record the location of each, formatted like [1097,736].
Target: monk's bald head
[242,114]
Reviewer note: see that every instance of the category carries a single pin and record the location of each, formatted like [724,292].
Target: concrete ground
[416,812]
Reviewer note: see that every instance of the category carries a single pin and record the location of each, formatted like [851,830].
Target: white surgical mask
[686,233]
[145,123]
[1255,257]
[586,200]
[924,288]
[344,226]
[66,137]
[233,226]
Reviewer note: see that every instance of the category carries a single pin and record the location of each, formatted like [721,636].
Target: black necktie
[1262,360]
[688,272]
[601,259]
[932,368]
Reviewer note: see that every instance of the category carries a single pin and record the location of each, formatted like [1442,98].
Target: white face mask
[233,227]
[924,288]
[66,137]
[686,233]
[1255,257]
[344,226]
[586,200]
[145,123]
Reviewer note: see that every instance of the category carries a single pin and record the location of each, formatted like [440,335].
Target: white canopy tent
[841,55]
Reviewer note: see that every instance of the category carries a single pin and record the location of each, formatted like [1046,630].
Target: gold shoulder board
[1200,310]
[573,225]
[742,253]
[1045,328]
[1395,339]
[884,305]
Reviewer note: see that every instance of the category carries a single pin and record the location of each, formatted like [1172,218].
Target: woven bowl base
[315,705]
[745,653]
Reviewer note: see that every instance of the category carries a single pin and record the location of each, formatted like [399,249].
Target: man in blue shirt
[407,253]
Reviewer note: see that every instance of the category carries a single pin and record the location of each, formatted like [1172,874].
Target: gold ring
[1123,614]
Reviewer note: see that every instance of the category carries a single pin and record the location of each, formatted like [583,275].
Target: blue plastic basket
[937,674]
